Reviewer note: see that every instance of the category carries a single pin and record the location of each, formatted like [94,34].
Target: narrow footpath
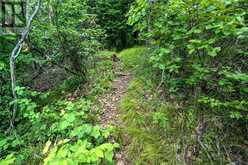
[110,103]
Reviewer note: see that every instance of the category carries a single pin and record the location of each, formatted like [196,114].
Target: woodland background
[187,102]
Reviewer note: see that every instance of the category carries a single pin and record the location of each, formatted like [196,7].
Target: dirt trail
[110,103]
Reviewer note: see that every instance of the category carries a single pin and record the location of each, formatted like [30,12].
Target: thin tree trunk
[14,55]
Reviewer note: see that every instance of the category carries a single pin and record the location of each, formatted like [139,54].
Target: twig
[162,80]
[200,130]
[205,149]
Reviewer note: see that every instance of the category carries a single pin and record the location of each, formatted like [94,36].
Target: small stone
[120,162]
[118,156]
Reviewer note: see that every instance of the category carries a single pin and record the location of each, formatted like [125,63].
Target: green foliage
[63,42]
[79,153]
[137,15]
[66,130]
[187,104]
[104,66]
[10,159]
[66,34]
[148,124]
[67,123]
[111,16]
[60,56]
[199,50]
[6,44]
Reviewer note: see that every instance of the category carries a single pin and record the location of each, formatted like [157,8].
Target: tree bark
[12,61]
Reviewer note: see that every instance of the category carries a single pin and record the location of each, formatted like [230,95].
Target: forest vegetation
[184,100]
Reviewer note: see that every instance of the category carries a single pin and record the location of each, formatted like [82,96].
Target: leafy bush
[199,49]
[57,127]
[67,35]
[68,124]
[103,66]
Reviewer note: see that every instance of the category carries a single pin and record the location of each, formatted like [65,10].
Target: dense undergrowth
[148,126]
[187,102]
[159,129]
[60,126]
[196,63]
[59,72]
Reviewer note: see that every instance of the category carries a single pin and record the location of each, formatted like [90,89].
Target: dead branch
[162,80]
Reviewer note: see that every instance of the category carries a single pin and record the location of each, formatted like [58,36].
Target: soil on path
[110,103]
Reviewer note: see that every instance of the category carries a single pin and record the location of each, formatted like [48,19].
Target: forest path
[110,103]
